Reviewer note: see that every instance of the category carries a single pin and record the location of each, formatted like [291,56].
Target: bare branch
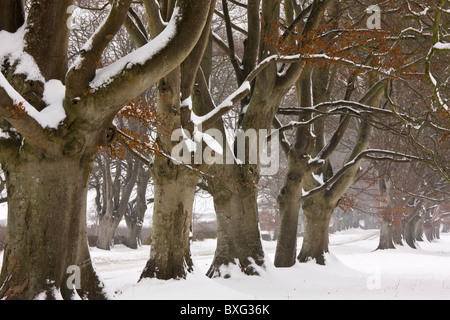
[84,68]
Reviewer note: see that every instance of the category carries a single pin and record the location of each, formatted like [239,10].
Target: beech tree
[55,117]
[310,181]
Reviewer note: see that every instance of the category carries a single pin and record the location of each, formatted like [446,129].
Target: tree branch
[115,85]
[351,164]
[84,68]
[285,145]
[155,23]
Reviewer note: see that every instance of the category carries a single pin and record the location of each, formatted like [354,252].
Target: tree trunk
[115,199]
[289,202]
[315,241]
[437,230]
[135,217]
[133,240]
[418,229]
[12,15]
[397,234]
[386,236]
[238,236]
[106,231]
[170,256]
[409,234]
[428,231]
[47,231]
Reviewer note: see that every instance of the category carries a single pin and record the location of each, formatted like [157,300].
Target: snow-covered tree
[54,116]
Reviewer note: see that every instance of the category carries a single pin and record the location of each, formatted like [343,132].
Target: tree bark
[47,24]
[386,236]
[315,240]
[428,231]
[135,217]
[289,202]
[12,15]
[170,256]
[174,188]
[409,233]
[238,235]
[418,229]
[47,230]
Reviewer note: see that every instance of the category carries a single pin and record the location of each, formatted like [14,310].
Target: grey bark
[116,197]
[317,214]
[134,218]
[174,184]
[48,171]
[54,240]
[238,236]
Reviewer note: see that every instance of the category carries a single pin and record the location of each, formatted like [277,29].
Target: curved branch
[115,85]
[84,67]
[355,161]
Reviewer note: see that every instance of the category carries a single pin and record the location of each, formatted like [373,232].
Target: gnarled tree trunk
[238,236]
[317,216]
[170,256]
[40,248]
[409,232]
[386,236]
[48,168]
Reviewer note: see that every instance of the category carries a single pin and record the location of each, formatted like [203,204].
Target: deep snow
[354,271]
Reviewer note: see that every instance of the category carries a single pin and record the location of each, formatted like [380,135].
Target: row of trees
[312,70]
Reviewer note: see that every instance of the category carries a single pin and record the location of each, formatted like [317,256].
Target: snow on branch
[54,91]
[140,56]
[12,51]
[393,156]
[223,108]
[49,117]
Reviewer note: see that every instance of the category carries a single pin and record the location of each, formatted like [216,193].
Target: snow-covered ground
[354,271]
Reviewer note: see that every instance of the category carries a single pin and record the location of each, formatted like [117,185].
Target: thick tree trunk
[397,234]
[46,234]
[437,230]
[238,235]
[289,202]
[409,233]
[315,240]
[133,240]
[418,229]
[428,231]
[386,236]
[287,240]
[106,232]
[170,256]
